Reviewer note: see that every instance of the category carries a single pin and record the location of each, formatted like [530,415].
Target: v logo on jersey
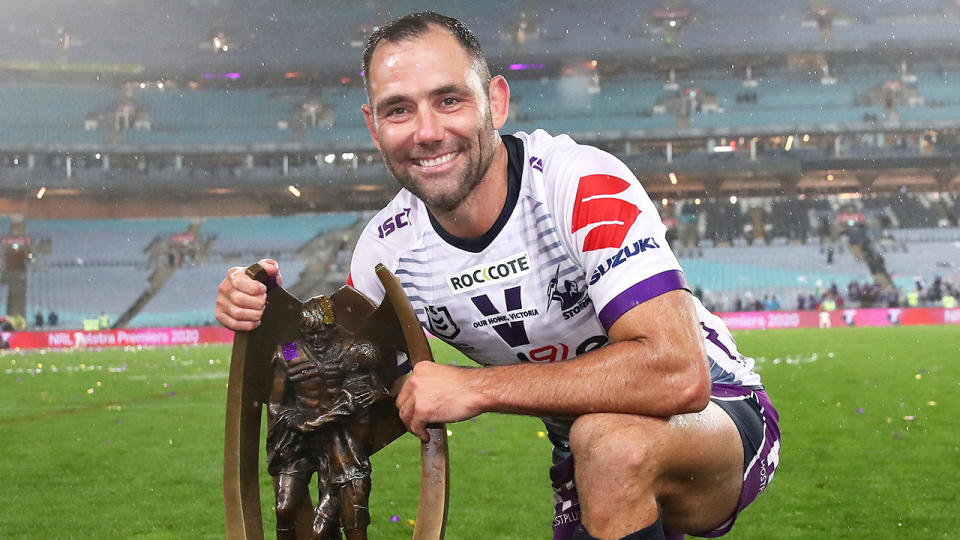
[514,333]
[598,205]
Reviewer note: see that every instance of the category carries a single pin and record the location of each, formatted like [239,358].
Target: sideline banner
[736,320]
[127,337]
[771,320]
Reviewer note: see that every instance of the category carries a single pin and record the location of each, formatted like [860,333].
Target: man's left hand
[436,393]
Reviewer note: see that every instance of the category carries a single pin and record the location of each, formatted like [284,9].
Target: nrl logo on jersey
[488,273]
[441,323]
[572,299]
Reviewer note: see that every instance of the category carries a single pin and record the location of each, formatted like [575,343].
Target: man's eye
[396,111]
[450,101]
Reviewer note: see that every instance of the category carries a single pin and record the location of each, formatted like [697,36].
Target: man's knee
[608,444]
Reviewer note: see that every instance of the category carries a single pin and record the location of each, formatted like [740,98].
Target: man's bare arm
[656,365]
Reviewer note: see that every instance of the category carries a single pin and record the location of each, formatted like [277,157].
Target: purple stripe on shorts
[566,502]
[651,287]
[764,465]
[290,351]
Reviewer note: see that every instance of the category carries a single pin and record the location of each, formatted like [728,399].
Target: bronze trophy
[325,369]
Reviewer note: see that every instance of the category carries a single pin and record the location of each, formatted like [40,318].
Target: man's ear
[499,101]
[368,118]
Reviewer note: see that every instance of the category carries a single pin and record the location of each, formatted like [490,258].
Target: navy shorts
[758,424]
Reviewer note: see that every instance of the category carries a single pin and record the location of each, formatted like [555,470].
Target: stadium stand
[869,137]
[922,254]
[185,298]
[274,236]
[77,293]
[100,242]
[725,273]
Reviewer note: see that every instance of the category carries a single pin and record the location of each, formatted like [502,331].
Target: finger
[237,326]
[400,409]
[237,279]
[272,268]
[245,300]
[270,265]
[419,428]
[240,313]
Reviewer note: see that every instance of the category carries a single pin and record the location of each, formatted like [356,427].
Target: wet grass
[129,444]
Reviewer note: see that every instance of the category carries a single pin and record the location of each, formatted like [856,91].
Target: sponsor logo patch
[621,256]
[489,273]
[598,208]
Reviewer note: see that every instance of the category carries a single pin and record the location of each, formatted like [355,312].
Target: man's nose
[428,127]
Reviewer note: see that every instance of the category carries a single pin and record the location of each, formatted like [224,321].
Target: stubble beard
[472,176]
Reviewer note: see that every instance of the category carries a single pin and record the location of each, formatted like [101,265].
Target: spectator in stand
[52,319]
[913,298]
[829,303]
[949,298]
[812,302]
[801,302]
[853,291]
[38,319]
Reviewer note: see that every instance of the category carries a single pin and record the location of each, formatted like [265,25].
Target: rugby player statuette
[325,369]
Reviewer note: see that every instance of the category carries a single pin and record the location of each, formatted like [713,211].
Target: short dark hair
[415,25]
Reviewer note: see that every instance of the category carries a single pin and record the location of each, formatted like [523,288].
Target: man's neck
[483,205]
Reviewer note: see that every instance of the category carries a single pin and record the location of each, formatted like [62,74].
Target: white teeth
[436,161]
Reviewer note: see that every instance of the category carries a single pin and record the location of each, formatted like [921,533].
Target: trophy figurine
[325,369]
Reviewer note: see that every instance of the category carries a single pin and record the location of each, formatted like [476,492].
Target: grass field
[128,444]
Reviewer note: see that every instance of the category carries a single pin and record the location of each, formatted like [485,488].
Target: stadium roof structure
[247,37]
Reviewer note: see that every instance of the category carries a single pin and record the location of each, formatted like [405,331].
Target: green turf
[139,455]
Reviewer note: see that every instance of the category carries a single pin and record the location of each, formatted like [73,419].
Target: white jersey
[578,244]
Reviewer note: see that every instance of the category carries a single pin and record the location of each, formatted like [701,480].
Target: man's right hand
[241,299]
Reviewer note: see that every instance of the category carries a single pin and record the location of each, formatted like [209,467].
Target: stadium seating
[922,253]
[253,237]
[790,219]
[756,271]
[52,106]
[187,298]
[76,293]
[100,242]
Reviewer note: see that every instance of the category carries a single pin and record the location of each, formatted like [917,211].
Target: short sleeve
[613,229]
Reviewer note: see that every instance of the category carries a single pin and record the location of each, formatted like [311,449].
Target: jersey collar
[514,176]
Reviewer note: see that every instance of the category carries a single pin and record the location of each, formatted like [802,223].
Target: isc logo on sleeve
[598,207]
[487,273]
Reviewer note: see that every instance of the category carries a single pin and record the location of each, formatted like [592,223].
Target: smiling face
[431,117]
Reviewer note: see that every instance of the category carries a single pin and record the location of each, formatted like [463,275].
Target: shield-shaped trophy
[324,368]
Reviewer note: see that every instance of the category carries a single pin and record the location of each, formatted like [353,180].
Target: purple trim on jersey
[651,287]
[290,351]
